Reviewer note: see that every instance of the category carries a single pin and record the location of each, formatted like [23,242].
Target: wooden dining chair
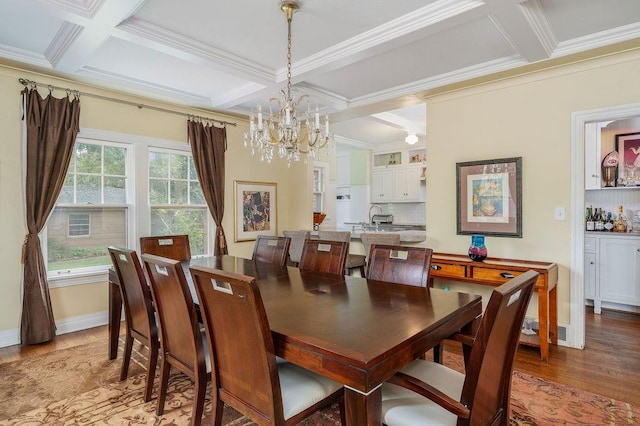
[181,342]
[324,256]
[271,249]
[138,312]
[246,375]
[399,264]
[297,243]
[170,246]
[354,261]
[426,392]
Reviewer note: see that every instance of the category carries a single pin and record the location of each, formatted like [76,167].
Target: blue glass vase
[477,250]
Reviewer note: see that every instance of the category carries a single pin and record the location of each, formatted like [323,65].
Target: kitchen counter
[406,236]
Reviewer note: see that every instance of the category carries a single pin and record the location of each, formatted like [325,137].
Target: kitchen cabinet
[397,176]
[612,270]
[619,270]
[590,259]
[382,186]
[407,184]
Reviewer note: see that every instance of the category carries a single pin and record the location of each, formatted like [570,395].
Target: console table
[494,272]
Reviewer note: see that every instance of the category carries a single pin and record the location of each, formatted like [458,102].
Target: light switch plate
[559,214]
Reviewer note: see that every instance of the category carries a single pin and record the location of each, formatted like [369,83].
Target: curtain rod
[32,83]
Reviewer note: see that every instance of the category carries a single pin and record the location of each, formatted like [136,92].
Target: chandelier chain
[288,130]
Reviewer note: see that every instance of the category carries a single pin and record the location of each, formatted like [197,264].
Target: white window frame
[138,208]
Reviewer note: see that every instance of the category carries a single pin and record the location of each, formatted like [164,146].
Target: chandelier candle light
[292,133]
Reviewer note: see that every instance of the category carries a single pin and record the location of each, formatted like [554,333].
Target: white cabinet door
[619,275]
[407,184]
[590,276]
[381,186]
[593,154]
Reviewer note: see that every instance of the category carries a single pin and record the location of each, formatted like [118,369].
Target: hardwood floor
[609,365]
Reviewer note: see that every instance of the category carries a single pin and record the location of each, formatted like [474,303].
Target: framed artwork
[255,210]
[489,197]
[628,147]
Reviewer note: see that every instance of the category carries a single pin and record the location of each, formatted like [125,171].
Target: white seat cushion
[402,407]
[302,388]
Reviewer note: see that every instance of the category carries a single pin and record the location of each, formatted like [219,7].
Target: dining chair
[354,261]
[324,256]
[399,264]
[297,243]
[138,312]
[369,238]
[271,249]
[170,246]
[426,392]
[181,341]
[246,375]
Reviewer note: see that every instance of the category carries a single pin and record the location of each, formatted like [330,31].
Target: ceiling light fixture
[294,134]
[411,138]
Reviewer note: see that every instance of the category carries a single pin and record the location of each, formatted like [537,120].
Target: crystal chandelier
[289,131]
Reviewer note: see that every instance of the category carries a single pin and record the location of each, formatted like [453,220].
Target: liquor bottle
[620,224]
[599,225]
[608,224]
[590,223]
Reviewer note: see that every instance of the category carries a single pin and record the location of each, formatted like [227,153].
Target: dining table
[356,331]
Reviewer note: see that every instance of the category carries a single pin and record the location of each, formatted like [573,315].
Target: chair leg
[341,406]
[198,403]
[362,271]
[151,370]
[164,381]
[126,357]
[217,408]
[437,353]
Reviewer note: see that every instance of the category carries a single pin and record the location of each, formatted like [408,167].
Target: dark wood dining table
[356,331]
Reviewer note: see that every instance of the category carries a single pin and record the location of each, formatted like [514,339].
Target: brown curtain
[208,145]
[51,128]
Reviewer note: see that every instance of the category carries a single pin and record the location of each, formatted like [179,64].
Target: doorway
[579,122]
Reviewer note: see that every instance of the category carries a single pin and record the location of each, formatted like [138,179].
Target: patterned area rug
[80,386]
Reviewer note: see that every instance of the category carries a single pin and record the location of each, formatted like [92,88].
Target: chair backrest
[170,246]
[335,236]
[324,256]
[180,339]
[487,385]
[271,249]
[399,264]
[245,374]
[136,296]
[387,238]
[297,243]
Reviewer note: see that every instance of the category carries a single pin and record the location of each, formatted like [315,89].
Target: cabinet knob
[595,176]
[506,275]
[593,263]
[436,267]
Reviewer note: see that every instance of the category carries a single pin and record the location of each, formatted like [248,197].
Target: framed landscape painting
[255,210]
[489,197]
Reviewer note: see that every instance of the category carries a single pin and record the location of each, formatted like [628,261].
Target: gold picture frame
[255,210]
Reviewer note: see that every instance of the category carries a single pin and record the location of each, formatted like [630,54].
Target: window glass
[176,199]
[81,226]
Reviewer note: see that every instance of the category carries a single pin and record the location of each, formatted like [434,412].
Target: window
[117,189]
[319,185]
[93,200]
[79,224]
[176,199]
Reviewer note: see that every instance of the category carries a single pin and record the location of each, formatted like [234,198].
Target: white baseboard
[68,325]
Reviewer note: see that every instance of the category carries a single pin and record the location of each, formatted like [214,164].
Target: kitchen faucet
[371,208]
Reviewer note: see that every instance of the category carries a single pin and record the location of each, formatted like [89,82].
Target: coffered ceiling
[368,63]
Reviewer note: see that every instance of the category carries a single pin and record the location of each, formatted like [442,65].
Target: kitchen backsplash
[406,213]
